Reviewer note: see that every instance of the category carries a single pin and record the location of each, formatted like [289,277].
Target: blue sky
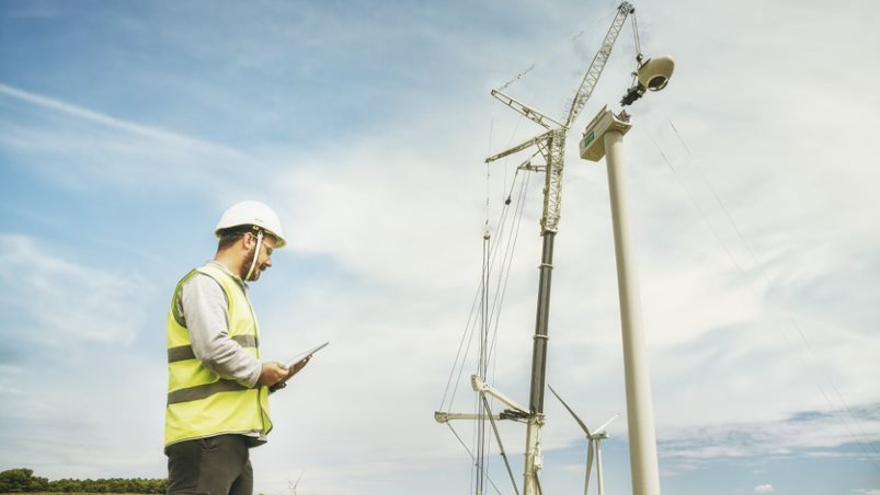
[126,128]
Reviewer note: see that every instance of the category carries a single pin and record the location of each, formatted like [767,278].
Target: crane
[551,145]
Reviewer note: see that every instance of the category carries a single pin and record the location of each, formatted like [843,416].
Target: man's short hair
[228,237]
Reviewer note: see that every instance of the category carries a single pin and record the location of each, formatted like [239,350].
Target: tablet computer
[299,357]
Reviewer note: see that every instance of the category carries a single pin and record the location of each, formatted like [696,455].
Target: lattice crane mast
[551,145]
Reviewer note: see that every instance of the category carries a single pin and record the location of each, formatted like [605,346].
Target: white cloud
[58,301]
[68,341]
[815,434]
[64,410]
[153,133]
[768,488]
[369,213]
[87,150]
[397,210]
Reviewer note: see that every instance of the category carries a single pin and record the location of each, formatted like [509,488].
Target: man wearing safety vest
[218,388]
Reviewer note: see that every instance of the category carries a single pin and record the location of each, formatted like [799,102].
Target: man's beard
[248,261]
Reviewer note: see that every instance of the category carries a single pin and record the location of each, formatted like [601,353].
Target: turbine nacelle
[652,75]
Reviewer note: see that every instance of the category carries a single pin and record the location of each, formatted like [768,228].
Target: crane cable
[638,46]
[467,327]
[491,255]
[636,39]
[507,263]
[467,334]
[480,441]
[471,454]
[494,319]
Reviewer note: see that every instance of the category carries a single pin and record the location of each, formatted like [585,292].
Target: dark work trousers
[210,466]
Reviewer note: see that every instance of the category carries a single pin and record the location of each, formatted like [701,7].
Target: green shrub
[22,480]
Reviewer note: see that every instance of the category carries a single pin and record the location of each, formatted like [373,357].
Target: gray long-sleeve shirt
[204,307]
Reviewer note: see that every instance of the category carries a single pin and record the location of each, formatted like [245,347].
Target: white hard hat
[252,213]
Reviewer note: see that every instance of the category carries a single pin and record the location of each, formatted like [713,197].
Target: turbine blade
[576,418]
[602,428]
[589,466]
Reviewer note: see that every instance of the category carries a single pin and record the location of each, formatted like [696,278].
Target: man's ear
[248,241]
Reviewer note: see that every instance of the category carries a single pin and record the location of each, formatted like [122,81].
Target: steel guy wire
[506,261]
[471,454]
[515,232]
[471,319]
[460,360]
[517,77]
[862,439]
[506,266]
[692,198]
[494,314]
[481,366]
[757,265]
[468,329]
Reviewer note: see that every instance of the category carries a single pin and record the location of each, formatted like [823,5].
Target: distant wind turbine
[594,442]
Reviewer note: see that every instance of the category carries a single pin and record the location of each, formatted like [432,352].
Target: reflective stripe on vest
[200,402]
[184,352]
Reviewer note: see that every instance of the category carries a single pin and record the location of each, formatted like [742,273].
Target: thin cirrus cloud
[80,147]
[67,301]
[106,120]
[815,433]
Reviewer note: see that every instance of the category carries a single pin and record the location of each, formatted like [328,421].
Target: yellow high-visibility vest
[200,402]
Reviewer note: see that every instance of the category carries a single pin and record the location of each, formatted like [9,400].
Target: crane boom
[527,111]
[598,63]
[526,144]
[591,77]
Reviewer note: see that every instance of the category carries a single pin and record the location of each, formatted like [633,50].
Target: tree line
[22,480]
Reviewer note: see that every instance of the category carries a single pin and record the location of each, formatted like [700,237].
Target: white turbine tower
[594,443]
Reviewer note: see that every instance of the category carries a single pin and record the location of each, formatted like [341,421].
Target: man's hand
[292,371]
[272,373]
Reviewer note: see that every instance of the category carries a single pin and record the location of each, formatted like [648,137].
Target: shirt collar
[225,270]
